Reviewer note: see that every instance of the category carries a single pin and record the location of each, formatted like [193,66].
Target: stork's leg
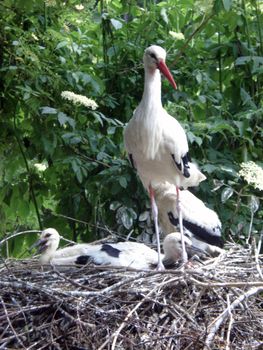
[160,265]
[180,218]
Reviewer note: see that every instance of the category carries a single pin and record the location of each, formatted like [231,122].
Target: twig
[29,173]
[18,234]
[227,284]
[214,326]
[230,323]
[259,243]
[10,324]
[204,21]
[257,258]
[117,333]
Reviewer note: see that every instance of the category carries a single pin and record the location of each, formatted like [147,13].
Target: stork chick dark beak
[166,72]
[41,245]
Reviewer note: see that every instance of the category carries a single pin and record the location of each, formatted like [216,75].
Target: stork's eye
[47,235]
[153,55]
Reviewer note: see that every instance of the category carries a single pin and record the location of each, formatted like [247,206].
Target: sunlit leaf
[227,4]
[144,216]
[217,184]
[226,194]
[62,44]
[254,204]
[63,119]
[123,181]
[115,205]
[48,110]
[116,24]
[125,218]
[164,15]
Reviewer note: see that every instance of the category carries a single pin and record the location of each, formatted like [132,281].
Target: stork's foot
[191,263]
[160,267]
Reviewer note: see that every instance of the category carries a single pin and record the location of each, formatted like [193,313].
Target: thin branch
[256,251]
[214,326]
[17,234]
[30,181]
[197,30]
[10,324]
[227,284]
[231,320]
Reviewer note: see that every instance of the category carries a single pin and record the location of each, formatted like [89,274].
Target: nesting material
[218,305]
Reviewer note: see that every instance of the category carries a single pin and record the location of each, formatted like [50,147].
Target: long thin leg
[160,265]
[180,218]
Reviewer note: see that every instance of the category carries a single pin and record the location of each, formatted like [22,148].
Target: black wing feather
[199,231]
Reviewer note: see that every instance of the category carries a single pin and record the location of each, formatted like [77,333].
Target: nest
[215,305]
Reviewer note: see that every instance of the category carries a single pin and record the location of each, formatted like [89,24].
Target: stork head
[154,58]
[172,246]
[47,244]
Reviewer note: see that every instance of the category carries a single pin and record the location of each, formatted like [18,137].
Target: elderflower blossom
[50,3]
[79,99]
[41,166]
[204,6]
[79,7]
[252,173]
[175,35]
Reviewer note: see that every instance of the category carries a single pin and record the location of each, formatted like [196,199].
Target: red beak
[165,70]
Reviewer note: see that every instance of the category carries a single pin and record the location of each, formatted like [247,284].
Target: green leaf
[144,216]
[193,138]
[209,168]
[254,204]
[48,110]
[123,182]
[243,60]
[115,205]
[226,194]
[62,44]
[246,98]
[227,4]
[116,24]
[63,119]
[77,170]
[164,15]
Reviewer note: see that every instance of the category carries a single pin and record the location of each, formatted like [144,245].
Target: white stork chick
[200,223]
[122,254]
[172,245]
[155,141]
[48,244]
[132,254]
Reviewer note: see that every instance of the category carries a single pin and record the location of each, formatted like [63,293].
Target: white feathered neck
[149,112]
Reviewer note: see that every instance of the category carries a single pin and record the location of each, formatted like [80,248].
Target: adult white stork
[200,223]
[156,142]
[122,254]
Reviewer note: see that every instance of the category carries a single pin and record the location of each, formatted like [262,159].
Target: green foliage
[61,161]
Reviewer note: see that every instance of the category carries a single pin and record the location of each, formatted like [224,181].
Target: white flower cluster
[203,6]
[252,173]
[50,3]
[79,7]
[175,35]
[79,99]
[41,166]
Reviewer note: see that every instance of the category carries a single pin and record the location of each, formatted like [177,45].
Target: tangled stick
[214,326]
